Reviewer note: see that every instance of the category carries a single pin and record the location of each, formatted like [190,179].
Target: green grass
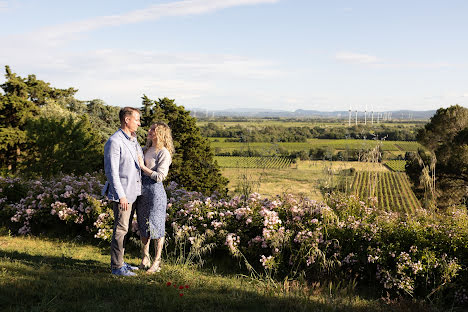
[56,275]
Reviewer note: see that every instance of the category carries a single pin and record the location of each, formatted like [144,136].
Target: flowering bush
[422,255]
[66,203]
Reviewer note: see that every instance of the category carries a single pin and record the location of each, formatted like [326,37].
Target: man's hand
[124,203]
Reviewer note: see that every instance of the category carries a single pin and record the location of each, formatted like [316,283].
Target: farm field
[392,190]
[396,165]
[253,162]
[273,173]
[304,177]
[220,146]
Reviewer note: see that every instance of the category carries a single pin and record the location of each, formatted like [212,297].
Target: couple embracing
[134,183]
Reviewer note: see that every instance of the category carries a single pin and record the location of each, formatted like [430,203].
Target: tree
[104,118]
[446,137]
[22,101]
[193,165]
[15,109]
[63,145]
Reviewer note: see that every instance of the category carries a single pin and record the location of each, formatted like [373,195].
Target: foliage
[421,255]
[21,101]
[54,274]
[314,149]
[62,145]
[445,136]
[193,165]
[104,118]
[65,203]
[256,132]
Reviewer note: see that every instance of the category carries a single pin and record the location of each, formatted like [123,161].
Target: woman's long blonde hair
[162,137]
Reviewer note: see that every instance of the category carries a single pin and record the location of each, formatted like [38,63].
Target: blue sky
[234,54]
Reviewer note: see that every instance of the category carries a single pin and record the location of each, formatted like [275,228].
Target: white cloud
[123,74]
[154,12]
[120,76]
[356,58]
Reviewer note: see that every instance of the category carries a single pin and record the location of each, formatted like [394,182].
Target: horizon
[233,54]
[253,109]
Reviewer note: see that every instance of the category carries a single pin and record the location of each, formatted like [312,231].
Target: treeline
[317,153]
[46,131]
[239,133]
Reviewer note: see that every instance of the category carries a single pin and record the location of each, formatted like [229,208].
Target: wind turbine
[365,115]
[349,116]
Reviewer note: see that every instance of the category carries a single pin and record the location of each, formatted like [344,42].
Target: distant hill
[301,113]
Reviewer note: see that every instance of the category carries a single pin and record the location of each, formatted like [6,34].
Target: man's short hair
[127,111]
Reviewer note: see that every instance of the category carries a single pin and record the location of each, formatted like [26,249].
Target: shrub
[422,255]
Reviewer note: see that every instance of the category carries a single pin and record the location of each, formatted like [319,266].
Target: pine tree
[193,165]
[63,145]
[15,110]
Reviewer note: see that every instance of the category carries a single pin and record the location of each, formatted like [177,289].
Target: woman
[151,206]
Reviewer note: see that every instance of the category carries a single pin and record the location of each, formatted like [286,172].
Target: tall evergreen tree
[193,165]
[63,145]
[15,110]
[22,102]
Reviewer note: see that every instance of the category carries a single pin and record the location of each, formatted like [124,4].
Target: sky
[237,54]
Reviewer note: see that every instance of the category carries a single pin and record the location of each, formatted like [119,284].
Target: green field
[272,174]
[392,190]
[396,165]
[253,162]
[220,146]
[313,178]
[304,177]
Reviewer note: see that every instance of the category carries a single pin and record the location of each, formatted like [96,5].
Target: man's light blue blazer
[121,166]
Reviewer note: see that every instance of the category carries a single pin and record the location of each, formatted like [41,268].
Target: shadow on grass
[59,263]
[65,283]
[48,283]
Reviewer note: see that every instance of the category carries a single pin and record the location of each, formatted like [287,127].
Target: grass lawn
[55,275]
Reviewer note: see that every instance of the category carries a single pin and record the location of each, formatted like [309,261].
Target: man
[123,184]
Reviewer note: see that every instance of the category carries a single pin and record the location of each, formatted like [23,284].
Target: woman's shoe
[145,262]
[155,267]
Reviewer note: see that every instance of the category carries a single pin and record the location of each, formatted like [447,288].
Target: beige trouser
[121,223]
